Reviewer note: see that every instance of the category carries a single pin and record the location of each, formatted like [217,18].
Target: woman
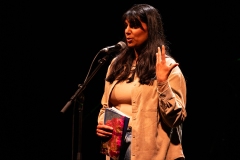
[146,83]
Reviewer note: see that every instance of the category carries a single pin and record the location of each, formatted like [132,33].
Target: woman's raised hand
[162,69]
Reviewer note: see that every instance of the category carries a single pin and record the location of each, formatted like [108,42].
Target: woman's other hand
[104,131]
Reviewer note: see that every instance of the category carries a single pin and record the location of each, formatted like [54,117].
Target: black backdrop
[46,51]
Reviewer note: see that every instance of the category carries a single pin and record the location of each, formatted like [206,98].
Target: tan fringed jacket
[158,111]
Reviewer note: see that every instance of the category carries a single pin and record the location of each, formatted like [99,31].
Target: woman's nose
[127,30]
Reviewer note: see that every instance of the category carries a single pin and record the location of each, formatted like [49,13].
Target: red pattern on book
[112,146]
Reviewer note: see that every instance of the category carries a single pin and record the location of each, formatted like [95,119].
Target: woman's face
[135,36]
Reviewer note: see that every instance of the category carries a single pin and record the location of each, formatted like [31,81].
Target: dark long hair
[145,68]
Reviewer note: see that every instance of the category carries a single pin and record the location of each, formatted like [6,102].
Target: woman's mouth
[129,40]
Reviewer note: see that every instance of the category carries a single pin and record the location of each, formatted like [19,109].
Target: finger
[103,133]
[106,127]
[159,55]
[163,54]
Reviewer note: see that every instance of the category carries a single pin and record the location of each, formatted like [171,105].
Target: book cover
[119,121]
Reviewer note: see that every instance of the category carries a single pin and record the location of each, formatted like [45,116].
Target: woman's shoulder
[114,59]
[111,64]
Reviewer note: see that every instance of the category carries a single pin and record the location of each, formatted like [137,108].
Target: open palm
[162,68]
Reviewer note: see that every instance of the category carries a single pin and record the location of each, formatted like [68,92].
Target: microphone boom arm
[83,86]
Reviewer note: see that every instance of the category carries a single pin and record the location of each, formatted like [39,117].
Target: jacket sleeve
[172,98]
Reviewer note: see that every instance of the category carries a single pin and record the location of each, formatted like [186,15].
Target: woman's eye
[134,26]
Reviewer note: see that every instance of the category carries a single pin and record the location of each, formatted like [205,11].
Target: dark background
[46,51]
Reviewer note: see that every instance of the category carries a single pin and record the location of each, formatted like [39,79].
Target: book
[119,121]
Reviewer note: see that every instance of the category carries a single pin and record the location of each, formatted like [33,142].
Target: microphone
[117,47]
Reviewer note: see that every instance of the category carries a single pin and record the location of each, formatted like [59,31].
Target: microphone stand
[79,96]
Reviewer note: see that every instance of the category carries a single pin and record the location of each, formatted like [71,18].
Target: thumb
[173,65]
